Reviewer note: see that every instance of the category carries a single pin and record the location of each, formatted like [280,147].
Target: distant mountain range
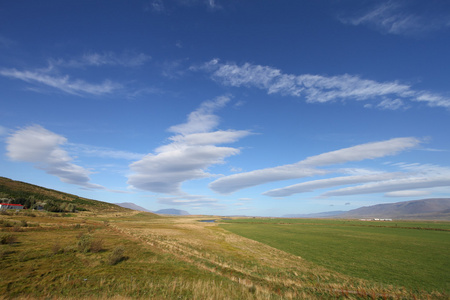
[425,209]
[172,211]
[168,211]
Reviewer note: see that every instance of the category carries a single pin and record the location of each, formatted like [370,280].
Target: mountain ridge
[424,209]
[172,211]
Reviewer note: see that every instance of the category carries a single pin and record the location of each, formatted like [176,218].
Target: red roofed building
[10,206]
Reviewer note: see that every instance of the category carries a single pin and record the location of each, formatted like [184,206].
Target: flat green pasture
[444,225]
[415,255]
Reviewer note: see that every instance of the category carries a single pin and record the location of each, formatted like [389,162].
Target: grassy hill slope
[20,192]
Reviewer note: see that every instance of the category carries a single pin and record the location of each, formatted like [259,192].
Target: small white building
[4,206]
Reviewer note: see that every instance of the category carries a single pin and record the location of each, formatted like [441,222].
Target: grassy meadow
[125,254]
[411,254]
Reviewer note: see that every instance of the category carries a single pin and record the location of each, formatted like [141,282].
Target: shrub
[116,256]
[96,246]
[84,243]
[7,238]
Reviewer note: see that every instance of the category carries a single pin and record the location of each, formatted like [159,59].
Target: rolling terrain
[107,251]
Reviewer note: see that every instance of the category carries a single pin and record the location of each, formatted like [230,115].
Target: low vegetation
[141,255]
[109,252]
[410,254]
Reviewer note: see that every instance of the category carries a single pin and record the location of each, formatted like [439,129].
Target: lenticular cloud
[308,166]
[191,151]
[40,146]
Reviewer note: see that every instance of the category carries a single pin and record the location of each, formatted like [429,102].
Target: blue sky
[228,107]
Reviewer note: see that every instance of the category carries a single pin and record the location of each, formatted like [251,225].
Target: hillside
[25,193]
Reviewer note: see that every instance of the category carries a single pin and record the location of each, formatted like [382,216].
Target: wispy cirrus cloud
[63,83]
[42,147]
[51,75]
[320,88]
[192,150]
[398,17]
[159,6]
[126,59]
[308,166]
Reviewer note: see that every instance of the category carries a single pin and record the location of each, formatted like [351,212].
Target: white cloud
[203,119]
[235,182]
[190,200]
[363,151]
[391,104]
[51,77]
[157,6]
[392,186]
[407,193]
[207,138]
[395,17]
[37,145]
[319,88]
[63,83]
[330,182]
[307,167]
[165,171]
[190,153]
[103,152]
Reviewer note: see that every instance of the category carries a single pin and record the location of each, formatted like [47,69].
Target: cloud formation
[308,166]
[408,193]
[62,83]
[395,17]
[103,152]
[42,147]
[51,76]
[393,185]
[329,182]
[189,200]
[319,88]
[191,151]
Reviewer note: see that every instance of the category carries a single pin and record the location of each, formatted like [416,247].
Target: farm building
[10,206]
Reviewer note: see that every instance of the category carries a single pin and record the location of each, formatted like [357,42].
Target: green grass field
[415,255]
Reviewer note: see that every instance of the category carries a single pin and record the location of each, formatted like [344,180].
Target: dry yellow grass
[167,258]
